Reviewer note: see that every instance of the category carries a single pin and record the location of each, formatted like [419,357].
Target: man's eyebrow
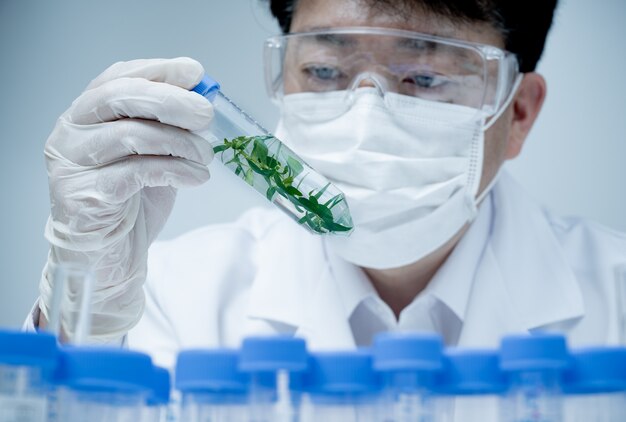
[415,44]
[338,40]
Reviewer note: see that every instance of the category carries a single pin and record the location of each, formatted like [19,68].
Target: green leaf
[279,182]
[254,165]
[259,150]
[293,191]
[249,177]
[235,160]
[273,163]
[335,227]
[334,201]
[295,166]
[313,223]
[270,193]
[321,192]
[219,148]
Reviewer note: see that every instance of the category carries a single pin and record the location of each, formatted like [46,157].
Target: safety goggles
[431,68]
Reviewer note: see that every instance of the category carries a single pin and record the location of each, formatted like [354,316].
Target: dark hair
[524,24]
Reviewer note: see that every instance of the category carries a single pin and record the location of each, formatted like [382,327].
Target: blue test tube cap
[207,87]
[105,369]
[273,353]
[534,352]
[161,385]
[408,352]
[471,372]
[341,373]
[214,370]
[596,370]
[19,348]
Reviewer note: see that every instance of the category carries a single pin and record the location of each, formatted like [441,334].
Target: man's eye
[324,73]
[425,81]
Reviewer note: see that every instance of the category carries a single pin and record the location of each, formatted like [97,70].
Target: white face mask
[410,176]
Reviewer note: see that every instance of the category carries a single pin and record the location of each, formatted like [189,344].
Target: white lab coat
[264,274]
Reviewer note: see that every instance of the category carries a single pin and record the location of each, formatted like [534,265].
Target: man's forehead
[320,14]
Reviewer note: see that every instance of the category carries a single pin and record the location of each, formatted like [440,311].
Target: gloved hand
[115,159]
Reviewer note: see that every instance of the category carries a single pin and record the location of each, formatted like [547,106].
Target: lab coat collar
[301,291]
[523,281]
[352,283]
[538,275]
[281,286]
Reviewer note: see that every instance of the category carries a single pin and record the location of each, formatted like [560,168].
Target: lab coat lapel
[294,288]
[523,281]
[325,324]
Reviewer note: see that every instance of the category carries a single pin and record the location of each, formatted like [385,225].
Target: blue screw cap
[210,371]
[408,362]
[273,353]
[207,87]
[105,369]
[346,372]
[161,383]
[408,352]
[596,370]
[534,352]
[28,349]
[471,372]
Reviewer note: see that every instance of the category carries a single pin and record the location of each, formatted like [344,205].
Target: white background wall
[574,162]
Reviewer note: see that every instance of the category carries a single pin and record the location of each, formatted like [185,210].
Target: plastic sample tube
[409,364]
[26,364]
[341,387]
[212,387]
[156,409]
[534,366]
[471,386]
[595,385]
[276,365]
[103,384]
[266,164]
[70,310]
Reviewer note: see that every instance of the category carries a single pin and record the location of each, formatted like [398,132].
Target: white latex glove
[115,160]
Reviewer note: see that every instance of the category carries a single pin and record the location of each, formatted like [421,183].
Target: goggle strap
[506,103]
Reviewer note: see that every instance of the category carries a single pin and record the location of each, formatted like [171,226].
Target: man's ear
[526,106]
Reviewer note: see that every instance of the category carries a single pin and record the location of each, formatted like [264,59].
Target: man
[411,108]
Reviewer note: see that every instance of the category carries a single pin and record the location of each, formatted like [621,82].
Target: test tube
[157,404]
[409,364]
[271,168]
[103,384]
[276,365]
[470,387]
[212,387]
[595,385]
[534,365]
[27,361]
[341,387]
[70,310]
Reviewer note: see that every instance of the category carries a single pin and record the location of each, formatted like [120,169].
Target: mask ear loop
[489,186]
[516,84]
[495,117]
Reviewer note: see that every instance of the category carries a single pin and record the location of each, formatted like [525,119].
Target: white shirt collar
[450,286]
